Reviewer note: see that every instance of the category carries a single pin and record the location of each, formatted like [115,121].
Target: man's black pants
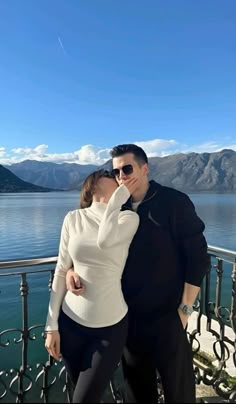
[169,353]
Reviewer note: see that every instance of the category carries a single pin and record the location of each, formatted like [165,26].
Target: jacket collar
[154,187]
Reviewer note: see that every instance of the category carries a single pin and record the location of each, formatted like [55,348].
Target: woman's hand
[73,283]
[52,344]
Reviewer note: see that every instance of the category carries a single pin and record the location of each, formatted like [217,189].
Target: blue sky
[79,76]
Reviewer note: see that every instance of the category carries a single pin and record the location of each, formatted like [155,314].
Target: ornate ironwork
[44,380]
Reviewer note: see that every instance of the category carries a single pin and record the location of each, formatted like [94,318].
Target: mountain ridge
[9,182]
[188,172]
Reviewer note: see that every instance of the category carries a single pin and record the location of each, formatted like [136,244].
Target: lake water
[30,223]
[30,226]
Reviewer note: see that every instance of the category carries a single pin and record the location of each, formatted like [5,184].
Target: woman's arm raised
[118,226]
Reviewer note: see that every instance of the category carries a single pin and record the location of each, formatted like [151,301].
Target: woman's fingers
[54,352]
[79,291]
[71,280]
[52,344]
[73,283]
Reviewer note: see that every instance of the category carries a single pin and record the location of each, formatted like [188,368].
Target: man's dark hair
[139,154]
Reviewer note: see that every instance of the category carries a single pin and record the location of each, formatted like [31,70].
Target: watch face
[187,309]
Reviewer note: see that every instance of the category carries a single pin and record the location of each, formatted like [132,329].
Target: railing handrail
[52,260]
[220,250]
[27,262]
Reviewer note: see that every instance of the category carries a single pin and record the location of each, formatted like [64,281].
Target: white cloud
[2,151]
[39,150]
[162,147]
[89,154]
[207,147]
[231,146]
[158,147]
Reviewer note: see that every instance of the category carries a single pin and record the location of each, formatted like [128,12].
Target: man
[166,264]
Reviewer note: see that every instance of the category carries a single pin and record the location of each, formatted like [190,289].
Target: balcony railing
[28,374]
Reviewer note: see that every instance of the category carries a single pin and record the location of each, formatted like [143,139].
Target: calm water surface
[30,223]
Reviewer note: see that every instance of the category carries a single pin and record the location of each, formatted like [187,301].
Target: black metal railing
[215,318]
[29,374]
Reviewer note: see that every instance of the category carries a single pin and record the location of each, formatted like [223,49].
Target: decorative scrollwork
[33,337]
[222,353]
[44,369]
[209,376]
[7,342]
[232,396]
[211,307]
[223,388]
[197,373]
[194,341]
[3,385]
[23,376]
[223,313]
[197,303]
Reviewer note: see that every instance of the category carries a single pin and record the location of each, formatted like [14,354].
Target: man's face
[129,168]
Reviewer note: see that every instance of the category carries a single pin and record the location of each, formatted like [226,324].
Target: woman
[89,330]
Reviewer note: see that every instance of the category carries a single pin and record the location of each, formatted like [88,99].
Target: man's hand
[73,283]
[131,184]
[52,344]
[183,318]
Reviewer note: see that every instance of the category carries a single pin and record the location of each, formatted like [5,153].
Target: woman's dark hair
[139,154]
[88,187]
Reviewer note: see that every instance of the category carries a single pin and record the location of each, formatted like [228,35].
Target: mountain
[9,182]
[192,172]
[57,176]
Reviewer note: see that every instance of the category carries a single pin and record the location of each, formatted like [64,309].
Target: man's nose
[122,176]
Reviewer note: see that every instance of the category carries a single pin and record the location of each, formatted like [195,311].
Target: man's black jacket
[168,249]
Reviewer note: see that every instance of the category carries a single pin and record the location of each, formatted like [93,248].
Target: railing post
[233,310]
[233,302]
[24,353]
[219,273]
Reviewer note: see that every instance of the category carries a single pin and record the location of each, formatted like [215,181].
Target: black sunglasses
[106,174]
[127,170]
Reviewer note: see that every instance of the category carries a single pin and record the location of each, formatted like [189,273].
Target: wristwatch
[186,309]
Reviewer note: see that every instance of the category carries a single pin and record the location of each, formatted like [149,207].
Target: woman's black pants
[91,355]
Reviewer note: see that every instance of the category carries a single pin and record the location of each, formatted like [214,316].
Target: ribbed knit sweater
[95,241]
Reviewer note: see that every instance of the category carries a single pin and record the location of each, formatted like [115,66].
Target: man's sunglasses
[127,170]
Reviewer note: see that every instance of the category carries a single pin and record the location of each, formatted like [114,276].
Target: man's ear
[146,169]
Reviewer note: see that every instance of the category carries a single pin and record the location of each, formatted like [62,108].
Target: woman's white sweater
[95,241]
